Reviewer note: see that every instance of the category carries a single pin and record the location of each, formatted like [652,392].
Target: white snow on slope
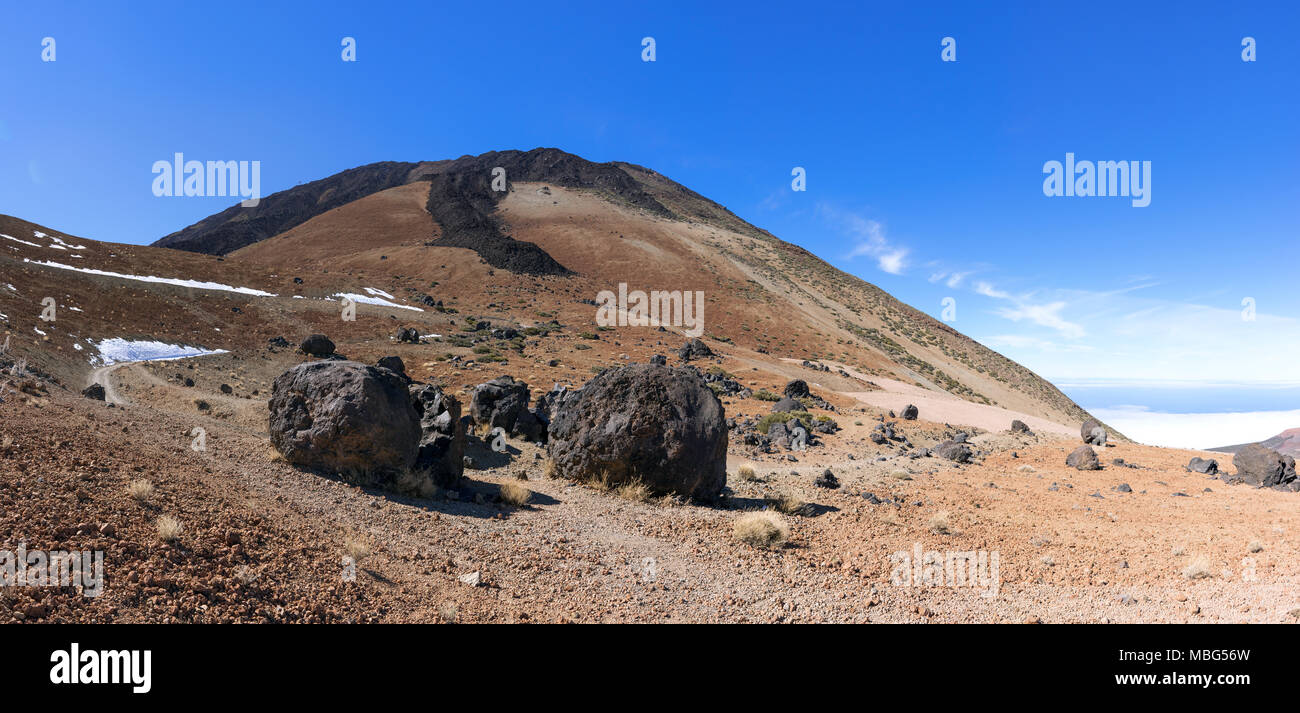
[16,240]
[375,291]
[112,351]
[365,300]
[159,280]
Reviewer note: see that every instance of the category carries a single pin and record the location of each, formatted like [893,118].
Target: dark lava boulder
[345,418]
[797,389]
[1208,466]
[953,451]
[503,402]
[1093,433]
[1083,458]
[694,349]
[392,363]
[786,405]
[655,424]
[442,435]
[1262,466]
[409,335]
[317,345]
[910,413]
[1018,426]
[94,391]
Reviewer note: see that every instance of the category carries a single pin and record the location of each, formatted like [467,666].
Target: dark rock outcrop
[953,451]
[503,402]
[1207,466]
[797,389]
[345,418]
[694,349]
[1093,433]
[657,425]
[94,391]
[442,435]
[1264,467]
[910,413]
[393,363]
[317,345]
[1083,458]
[1018,426]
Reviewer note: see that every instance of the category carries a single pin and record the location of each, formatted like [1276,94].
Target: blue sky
[924,177]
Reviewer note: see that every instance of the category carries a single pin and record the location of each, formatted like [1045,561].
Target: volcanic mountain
[565,226]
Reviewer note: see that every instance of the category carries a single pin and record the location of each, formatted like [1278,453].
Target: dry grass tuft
[356,547]
[140,490]
[549,470]
[169,528]
[274,455]
[514,494]
[1255,546]
[764,529]
[789,504]
[941,523]
[1198,568]
[448,613]
[901,475]
[889,516]
[1026,468]
[746,473]
[635,491]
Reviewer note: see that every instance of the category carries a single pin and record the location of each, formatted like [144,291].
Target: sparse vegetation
[169,528]
[140,490]
[901,475]
[789,504]
[764,529]
[746,473]
[766,422]
[514,494]
[356,547]
[1198,568]
[634,491]
[1026,468]
[1255,546]
[765,395]
[941,523]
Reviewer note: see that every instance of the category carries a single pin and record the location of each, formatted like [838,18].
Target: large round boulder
[1083,458]
[345,418]
[1263,466]
[654,424]
[1093,433]
[317,345]
[503,402]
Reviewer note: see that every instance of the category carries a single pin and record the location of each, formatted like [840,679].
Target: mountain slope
[570,228]
[1287,443]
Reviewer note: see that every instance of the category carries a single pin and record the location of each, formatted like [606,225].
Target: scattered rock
[441,452]
[654,424]
[797,389]
[953,451]
[1208,466]
[345,418]
[910,413]
[94,391]
[1083,458]
[1018,426]
[1093,433]
[317,345]
[1264,467]
[393,364]
[694,349]
[827,480]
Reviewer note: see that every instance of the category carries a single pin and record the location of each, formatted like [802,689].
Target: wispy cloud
[869,238]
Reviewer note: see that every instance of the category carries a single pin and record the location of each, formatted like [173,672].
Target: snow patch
[16,240]
[112,351]
[380,293]
[366,300]
[196,284]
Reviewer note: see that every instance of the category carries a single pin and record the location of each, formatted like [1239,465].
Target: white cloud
[1197,430]
[1044,315]
[869,238]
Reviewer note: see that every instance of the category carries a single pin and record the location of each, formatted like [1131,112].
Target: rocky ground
[262,540]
